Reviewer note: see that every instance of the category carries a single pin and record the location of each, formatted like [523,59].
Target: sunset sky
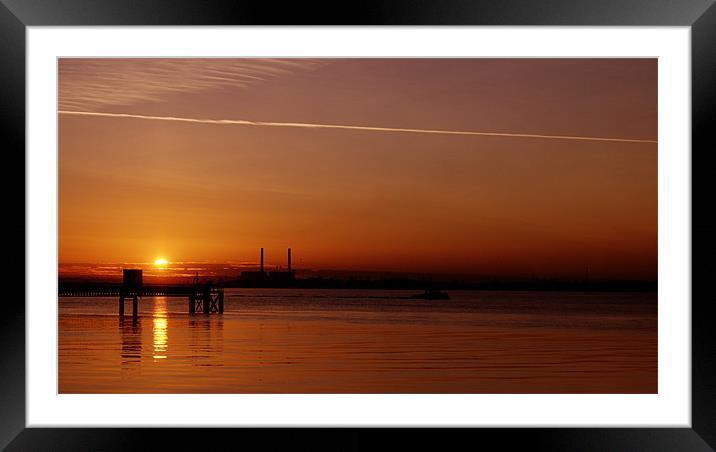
[144,186]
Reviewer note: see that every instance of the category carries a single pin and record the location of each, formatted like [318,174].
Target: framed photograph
[487,219]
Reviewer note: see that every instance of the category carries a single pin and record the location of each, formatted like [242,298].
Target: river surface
[363,341]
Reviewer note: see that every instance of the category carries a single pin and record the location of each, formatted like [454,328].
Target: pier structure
[131,287]
[204,298]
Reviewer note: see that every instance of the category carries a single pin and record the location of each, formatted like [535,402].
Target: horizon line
[353,127]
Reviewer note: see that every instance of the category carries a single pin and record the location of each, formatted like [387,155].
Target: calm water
[367,341]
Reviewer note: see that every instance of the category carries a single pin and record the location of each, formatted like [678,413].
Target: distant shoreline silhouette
[395,283]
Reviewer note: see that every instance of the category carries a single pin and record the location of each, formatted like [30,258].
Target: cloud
[244,122]
[92,83]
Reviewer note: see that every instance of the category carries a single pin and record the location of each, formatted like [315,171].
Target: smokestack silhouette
[262,260]
[289,260]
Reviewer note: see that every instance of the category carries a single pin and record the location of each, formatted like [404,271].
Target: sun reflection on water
[160,334]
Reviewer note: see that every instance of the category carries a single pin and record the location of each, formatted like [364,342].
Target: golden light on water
[160,334]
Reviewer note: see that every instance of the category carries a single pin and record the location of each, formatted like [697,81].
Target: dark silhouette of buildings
[278,277]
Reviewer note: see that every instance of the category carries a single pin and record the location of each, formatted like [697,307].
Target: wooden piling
[206,303]
[221,302]
[134,307]
[121,305]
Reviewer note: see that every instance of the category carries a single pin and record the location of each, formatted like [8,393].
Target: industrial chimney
[289,260]
[262,260]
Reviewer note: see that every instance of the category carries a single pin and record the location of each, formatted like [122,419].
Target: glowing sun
[161,262]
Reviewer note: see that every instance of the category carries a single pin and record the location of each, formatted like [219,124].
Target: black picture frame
[699,15]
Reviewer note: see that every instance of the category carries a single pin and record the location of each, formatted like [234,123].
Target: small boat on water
[432,294]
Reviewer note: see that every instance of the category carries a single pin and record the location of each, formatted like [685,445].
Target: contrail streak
[350,127]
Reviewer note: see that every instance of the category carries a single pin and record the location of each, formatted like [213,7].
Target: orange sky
[131,189]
